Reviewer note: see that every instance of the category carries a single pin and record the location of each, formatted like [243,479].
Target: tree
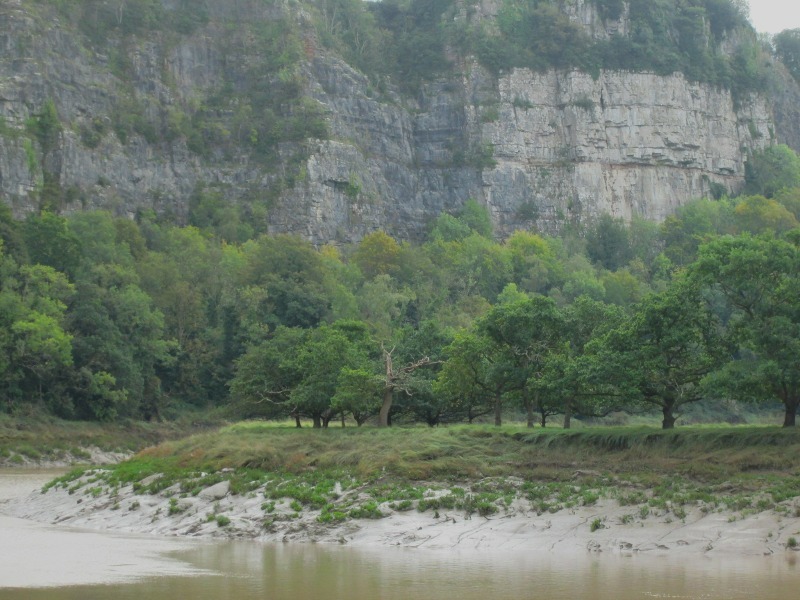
[50,242]
[534,264]
[320,360]
[382,304]
[476,376]
[691,225]
[476,217]
[757,214]
[429,339]
[265,376]
[297,372]
[396,380]
[377,254]
[787,47]
[525,330]
[568,368]
[118,331]
[35,347]
[663,353]
[357,390]
[292,276]
[770,170]
[608,243]
[759,277]
[41,348]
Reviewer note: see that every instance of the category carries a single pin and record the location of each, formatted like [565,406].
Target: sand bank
[602,527]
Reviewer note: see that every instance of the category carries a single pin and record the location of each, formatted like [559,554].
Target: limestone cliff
[538,148]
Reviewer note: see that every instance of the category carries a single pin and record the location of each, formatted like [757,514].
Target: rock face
[625,143]
[539,149]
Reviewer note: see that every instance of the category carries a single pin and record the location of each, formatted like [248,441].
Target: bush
[222,521]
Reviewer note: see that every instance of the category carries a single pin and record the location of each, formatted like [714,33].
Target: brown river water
[43,562]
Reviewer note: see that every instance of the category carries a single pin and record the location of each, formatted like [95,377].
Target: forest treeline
[107,318]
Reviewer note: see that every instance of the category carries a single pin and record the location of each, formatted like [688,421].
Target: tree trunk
[317,421]
[669,418]
[383,417]
[297,421]
[529,411]
[343,425]
[790,416]
[498,410]
[388,391]
[568,414]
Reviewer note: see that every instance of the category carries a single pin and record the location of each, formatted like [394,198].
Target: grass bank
[341,474]
[40,440]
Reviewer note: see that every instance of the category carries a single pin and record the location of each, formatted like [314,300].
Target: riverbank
[731,491]
[35,555]
[45,442]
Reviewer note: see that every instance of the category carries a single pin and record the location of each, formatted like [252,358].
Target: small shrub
[369,510]
[791,542]
[174,507]
[403,506]
[223,521]
[589,498]
[597,524]
[485,508]
[334,516]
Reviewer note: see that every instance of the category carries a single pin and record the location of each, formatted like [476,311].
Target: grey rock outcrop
[538,149]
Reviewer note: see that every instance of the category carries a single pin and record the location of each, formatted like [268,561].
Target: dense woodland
[107,318]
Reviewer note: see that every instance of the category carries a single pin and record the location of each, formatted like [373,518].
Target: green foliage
[417,44]
[608,244]
[664,36]
[50,242]
[663,353]
[45,126]
[222,521]
[759,280]
[477,218]
[98,19]
[596,524]
[787,47]
[771,170]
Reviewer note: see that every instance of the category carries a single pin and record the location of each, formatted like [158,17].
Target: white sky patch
[773,16]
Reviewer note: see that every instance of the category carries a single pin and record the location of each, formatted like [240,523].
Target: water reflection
[249,570]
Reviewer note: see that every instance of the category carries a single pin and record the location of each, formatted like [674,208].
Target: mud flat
[605,526]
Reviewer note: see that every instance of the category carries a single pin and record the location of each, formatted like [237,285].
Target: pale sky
[773,16]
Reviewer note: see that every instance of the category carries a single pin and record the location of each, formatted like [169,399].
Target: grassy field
[482,469]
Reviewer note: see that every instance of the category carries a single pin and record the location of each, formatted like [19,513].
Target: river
[40,562]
